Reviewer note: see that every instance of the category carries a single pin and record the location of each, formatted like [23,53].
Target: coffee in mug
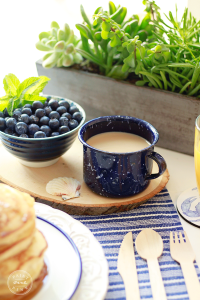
[118,142]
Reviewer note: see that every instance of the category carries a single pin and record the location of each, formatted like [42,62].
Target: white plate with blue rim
[94,279]
[63,262]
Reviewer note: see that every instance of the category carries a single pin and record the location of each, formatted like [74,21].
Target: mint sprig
[19,94]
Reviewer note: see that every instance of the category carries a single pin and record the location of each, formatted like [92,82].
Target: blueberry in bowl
[61,110]
[54,115]
[44,120]
[2,124]
[38,134]
[27,111]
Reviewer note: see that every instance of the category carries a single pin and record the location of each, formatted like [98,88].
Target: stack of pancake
[22,246]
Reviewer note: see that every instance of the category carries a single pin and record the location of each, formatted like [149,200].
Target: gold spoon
[149,246]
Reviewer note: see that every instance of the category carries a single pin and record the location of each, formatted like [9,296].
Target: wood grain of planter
[173,115]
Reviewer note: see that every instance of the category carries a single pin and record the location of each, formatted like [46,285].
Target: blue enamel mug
[119,174]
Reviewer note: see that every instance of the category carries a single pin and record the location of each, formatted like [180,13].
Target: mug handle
[161,164]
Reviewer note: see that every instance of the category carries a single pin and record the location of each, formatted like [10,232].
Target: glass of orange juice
[197,152]
[188,203]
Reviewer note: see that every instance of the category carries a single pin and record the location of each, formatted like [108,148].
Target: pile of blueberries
[53,118]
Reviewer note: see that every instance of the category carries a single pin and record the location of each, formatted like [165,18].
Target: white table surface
[182,177]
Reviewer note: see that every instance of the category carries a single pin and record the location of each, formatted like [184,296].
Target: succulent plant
[171,62]
[60,45]
[101,43]
[160,55]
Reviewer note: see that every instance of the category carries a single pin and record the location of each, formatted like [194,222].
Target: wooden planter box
[173,115]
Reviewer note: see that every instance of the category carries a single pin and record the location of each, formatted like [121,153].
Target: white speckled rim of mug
[99,119]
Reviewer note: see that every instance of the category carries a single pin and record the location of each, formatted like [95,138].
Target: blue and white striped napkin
[157,213]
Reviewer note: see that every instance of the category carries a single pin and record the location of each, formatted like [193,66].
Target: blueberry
[67,115]
[28,106]
[44,120]
[2,114]
[64,129]
[48,98]
[73,124]
[55,133]
[21,128]
[24,135]
[7,118]
[39,135]
[15,134]
[2,124]
[64,103]
[53,103]
[6,114]
[27,111]
[37,104]
[33,119]
[45,104]
[46,129]
[33,128]
[61,110]
[47,110]
[54,124]
[73,109]
[19,109]
[8,131]
[63,121]
[16,114]
[54,115]
[24,118]
[10,123]
[77,116]
[40,112]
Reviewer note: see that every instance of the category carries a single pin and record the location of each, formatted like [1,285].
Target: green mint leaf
[11,83]
[29,98]
[19,94]
[4,102]
[26,85]
[5,98]
[10,106]
[17,103]
[38,87]
[32,97]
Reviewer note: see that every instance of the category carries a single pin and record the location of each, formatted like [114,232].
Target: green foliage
[94,46]
[18,94]
[161,55]
[170,61]
[60,45]
[102,38]
[173,62]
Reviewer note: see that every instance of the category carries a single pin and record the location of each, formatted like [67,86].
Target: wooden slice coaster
[34,180]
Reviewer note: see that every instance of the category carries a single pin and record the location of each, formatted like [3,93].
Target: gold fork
[182,252]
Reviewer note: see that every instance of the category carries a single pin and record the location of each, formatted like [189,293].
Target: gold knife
[126,266]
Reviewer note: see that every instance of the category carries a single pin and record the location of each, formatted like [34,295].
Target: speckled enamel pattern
[119,174]
[41,149]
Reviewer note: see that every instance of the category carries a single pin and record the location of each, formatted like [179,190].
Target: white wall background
[194,7]
[22,20]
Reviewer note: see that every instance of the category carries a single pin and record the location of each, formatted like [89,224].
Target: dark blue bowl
[44,151]
[119,174]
